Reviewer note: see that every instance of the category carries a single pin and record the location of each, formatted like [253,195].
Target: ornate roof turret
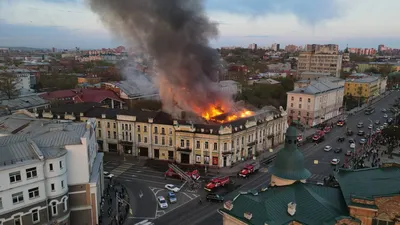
[289,162]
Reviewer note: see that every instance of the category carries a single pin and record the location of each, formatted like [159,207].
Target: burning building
[216,142]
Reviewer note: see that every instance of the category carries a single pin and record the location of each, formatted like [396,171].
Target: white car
[335,161]
[370,126]
[385,116]
[353,145]
[162,202]
[171,187]
[385,124]
[108,175]
[363,141]
[327,148]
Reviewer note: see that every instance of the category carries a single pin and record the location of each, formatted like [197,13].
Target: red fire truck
[193,174]
[319,136]
[217,182]
[249,169]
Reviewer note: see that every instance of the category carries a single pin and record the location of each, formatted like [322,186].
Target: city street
[144,184]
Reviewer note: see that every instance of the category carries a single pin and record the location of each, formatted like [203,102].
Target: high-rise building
[326,49]
[320,62]
[275,46]
[253,46]
[291,48]
[381,47]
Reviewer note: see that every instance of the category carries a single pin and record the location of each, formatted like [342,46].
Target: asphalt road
[206,213]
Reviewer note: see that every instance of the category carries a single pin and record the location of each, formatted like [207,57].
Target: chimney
[211,130]
[248,215]
[175,122]
[202,130]
[103,116]
[291,208]
[150,120]
[228,205]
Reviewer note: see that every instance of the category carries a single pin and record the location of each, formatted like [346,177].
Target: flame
[214,111]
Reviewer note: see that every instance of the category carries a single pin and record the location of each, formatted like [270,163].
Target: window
[18,197]
[51,167]
[99,134]
[163,140]
[126,126]
[170,130]
[299,106]
[206,145]
[138,128]
[126,135]
[17,220]
[130,127]
[155,130]
[62,184]
[291,104]
[242,140]
[156,140]
[225,146]
[300,99]
[187,144]
[123,136]
[197,144]
[309,100]
[98,124]
[114,125]
[145,140]
[292,98]
[182,143]
[115,135]
[35,216]
[130,136]
[54,208]
[144,129]
[15,177]
[31,172]
[1,203]
[215,146]
[108,124]
[139,138]
[162,130]
[65,206]
[108,134]
[53,187]
[33,192]
[61,165]
[170,141]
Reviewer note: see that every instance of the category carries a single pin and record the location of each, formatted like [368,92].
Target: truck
[193,174]
[318,136]
[249,169]
[217,182]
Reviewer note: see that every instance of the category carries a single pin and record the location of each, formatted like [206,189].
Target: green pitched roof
[370,182]
[315,205]
[289,161]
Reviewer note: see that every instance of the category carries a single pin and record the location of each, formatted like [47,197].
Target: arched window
[65,204]
[54,208]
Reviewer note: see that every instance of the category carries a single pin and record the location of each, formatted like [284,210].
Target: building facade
[320,63]
[43,165]
[158,136]
[315,101]
[367,87]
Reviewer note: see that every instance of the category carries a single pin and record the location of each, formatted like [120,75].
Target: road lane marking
[142,218]
[140,194]
[187,196]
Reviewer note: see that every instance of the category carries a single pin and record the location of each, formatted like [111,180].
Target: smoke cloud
[176,34]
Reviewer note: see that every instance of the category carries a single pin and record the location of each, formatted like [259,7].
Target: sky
[70,23]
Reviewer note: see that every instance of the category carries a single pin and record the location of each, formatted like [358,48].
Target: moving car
[338,150]
[363,141]
[108,175]
[171,187]
[214,197]
[348,153]
[340,123]
[162,202]
[351,140]
[327,129]
[361,133]
[360,125]
[370,126]
[327,148]
[385,116]
[335,161]
[172,197]
[353,145]
[385,124]
[378,130]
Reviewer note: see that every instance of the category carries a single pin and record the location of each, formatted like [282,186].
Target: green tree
[372,70]
[385,69]
[9,85]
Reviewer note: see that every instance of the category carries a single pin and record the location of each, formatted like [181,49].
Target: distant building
[320,63]
[362,67]
[291,48]
[32,103]
[363,51]
[26,79]
[229,87]
[275,47]
[253,46]
[51,172]
[367,87]
[279,67]
[313,75]
[315,102]
[322,49]
[89,79]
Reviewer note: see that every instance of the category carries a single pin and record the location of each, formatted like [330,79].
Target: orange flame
[214,111]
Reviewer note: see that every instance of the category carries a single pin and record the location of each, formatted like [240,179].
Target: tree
[8,85]
[372,70]
[392,133]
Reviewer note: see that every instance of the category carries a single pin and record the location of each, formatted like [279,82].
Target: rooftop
[368,79]
[363,183]
[82,95]
[314,205]
[24,102]
[317,87]
[315,73]
[142,85]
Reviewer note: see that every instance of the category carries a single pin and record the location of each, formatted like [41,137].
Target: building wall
[230,220]
[322,63]
[362,89]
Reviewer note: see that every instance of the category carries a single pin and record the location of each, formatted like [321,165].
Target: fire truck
[319,136]
[193,174]
[217,182]
[249,169]
[300,141]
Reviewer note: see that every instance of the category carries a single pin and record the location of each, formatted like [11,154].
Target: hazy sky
[69,23]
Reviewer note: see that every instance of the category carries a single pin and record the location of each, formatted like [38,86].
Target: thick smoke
[176,34]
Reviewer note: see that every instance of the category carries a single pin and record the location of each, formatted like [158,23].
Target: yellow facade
[362,87]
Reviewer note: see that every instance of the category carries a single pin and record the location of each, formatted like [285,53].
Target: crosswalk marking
[317,177]
[144,222]
[121,169]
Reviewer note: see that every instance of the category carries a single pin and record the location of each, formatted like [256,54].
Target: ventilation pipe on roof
[291,208]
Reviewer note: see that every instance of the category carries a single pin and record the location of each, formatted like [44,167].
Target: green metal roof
[289,161]
[315,205]
[370,182]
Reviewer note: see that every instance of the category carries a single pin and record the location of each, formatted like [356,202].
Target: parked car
[338,150]
[349,132]
[335,161]
[370,126]
[385,116]
[348,153]
[351,140]
[108,175]
[363,141]
[171,187]
[172,197]
[212,197]
[327,148]
[162,202]
[360,125]
[353,145]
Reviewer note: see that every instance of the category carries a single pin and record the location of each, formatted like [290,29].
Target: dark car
[351,140]
[338,150]
[340,139]
[348,153]
[377,122]
[214,198]
[361,133]
[349,132]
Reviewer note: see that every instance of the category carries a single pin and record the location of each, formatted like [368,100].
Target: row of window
[30,173]
[301,99]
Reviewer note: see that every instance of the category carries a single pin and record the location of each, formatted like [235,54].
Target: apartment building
[367,87]
[315,101]
[320,62]
[157,135]
[50,172]
[326,48]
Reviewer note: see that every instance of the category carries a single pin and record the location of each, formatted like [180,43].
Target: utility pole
[116,206]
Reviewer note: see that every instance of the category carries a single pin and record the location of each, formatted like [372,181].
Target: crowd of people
[115,202]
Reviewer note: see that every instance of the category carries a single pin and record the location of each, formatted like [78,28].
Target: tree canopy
[9,85]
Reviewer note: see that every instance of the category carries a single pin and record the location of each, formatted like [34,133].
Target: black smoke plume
[176,34]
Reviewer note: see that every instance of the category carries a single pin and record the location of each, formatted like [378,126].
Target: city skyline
[70,23]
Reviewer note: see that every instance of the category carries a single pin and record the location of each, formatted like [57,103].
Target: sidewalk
[110,208]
